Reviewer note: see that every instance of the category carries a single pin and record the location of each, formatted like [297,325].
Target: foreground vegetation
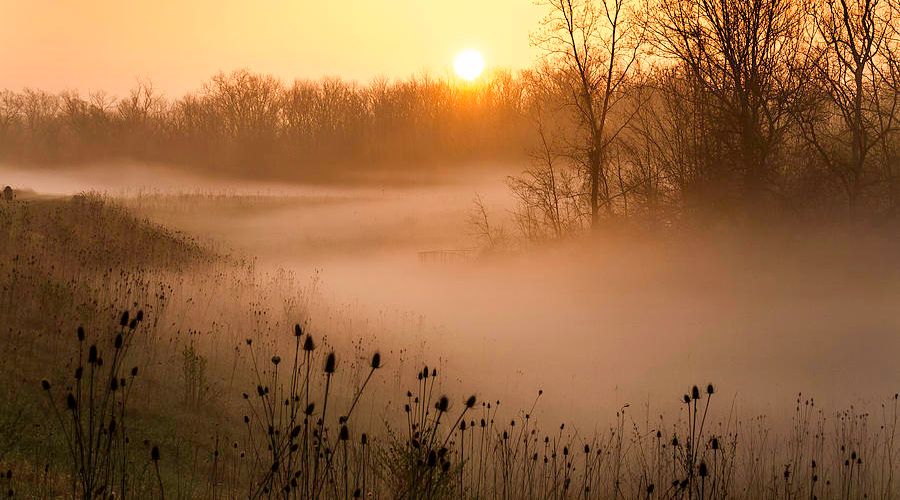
[138,363]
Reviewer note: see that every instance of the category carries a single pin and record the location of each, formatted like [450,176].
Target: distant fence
[446,256]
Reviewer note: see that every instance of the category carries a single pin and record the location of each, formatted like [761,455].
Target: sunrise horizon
[450,250]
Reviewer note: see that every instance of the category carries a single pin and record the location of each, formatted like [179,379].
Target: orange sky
[94,44]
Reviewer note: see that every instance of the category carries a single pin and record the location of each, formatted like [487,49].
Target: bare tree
[592,47]
[855,106]
[739,57]
[479,220]
[550,201]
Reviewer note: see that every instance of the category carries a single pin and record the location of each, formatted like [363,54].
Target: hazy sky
[94,44]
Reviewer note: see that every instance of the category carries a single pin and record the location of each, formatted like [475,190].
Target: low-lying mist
[596,323]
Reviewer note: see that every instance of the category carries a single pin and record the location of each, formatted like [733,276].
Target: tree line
[682,108]
[655,109]
[242,123]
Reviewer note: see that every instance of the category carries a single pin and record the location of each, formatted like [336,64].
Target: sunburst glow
[468,64]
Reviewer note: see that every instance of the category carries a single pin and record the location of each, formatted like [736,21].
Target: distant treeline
[242,122]
[657,109]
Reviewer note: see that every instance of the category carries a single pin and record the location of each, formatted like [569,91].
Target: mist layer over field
[596,323]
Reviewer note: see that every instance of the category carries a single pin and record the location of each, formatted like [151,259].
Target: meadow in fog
[659,261]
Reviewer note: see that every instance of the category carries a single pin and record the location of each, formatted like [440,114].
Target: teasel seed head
[330,362]
[297,330]
[376,361]
[124,321]
[154,454]
[308,344]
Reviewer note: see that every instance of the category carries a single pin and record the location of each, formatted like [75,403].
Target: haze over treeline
[652,109]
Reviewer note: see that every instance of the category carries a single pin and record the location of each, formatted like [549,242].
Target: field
[292,344]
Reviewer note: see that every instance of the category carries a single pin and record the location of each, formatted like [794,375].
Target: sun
[468,64]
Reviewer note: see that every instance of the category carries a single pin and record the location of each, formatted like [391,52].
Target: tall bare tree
[855,107]
[739,56]
[592,47]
